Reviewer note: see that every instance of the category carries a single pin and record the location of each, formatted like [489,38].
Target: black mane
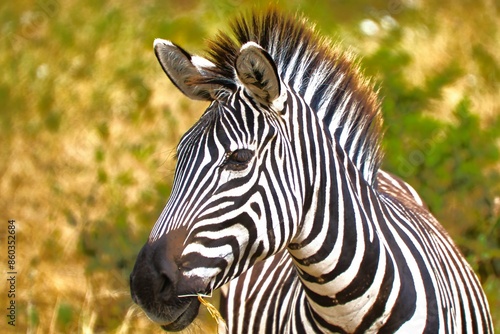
[325,77]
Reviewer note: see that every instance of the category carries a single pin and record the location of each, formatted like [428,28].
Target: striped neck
[336,272]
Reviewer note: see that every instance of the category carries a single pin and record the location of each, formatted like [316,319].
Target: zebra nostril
[166,287]
[167,276]
[155,277]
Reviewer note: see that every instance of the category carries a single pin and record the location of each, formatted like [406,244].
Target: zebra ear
[257,71]
[185,71]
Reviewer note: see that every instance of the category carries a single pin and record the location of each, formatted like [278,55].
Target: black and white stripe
[277,192]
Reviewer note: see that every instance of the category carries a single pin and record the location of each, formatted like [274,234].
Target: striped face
[231,204]
[226,192]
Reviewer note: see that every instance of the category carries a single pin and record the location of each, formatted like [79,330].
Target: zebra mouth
[184,319]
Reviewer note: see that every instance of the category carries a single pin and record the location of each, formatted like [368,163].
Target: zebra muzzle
[157,281]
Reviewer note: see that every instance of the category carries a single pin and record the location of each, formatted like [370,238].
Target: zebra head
[227,209]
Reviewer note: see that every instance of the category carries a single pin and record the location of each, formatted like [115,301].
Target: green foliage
[33,316]
[65,317]
[454,165]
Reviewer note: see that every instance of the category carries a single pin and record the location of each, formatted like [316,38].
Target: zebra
[279,200]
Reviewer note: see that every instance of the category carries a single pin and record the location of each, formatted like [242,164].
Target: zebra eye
[239,159]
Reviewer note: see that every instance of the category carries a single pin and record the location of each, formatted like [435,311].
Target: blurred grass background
[89,122]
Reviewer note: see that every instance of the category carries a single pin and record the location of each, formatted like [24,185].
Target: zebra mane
[327,78]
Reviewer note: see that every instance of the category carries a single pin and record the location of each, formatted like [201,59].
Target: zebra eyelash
[237,160]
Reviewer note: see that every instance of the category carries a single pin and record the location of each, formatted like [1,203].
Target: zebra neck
[330,253]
